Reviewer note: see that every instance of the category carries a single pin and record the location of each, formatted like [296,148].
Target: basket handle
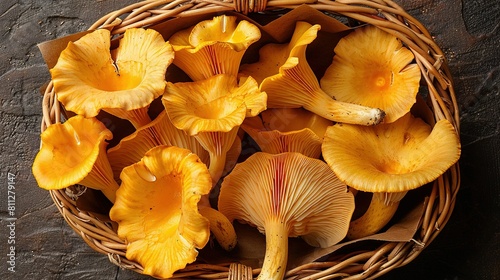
[239,271]
[247,6]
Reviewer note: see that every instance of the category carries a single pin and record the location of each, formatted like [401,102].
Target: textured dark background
[46,248]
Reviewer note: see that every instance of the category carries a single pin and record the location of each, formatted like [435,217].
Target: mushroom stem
[382,208]
[217,143]
[216,166]
[109,190]
[138,117]
[101,178]
[344,112]
[274,266]
[220,226]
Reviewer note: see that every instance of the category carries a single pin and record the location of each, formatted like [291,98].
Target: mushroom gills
[382,208]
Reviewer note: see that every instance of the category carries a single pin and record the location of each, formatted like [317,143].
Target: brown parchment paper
[251,244]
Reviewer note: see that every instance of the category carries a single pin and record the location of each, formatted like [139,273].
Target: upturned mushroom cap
[394,157]
[213,46]
[88,79]
[159,132]
[372,68]
[157,210]
[74,152]
[215,104]
[212,110]
[273,56]
[287,130]
[287,195]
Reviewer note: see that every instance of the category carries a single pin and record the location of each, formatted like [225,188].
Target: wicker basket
[364,262]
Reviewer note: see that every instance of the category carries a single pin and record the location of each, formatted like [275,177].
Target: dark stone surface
[46,248]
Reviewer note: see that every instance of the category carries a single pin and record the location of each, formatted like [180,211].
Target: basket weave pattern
[384,14]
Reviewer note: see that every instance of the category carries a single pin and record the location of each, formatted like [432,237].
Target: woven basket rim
[384,14]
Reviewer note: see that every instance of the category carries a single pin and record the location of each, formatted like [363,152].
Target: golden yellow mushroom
[297,86]
[213,46]
[372,68]
[156,210]
[74,152]
[212,111]
[389,159]
[287,130]
[161,132]
[87,78]
[287,195]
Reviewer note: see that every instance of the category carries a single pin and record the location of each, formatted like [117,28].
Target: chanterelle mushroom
[88,79]
[297,86]
[157,209]
[213,46]
[212,110]
[372,68]
[74,152]
[390,159]
[287,195]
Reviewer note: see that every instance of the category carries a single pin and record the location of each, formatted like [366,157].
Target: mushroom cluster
[319,140]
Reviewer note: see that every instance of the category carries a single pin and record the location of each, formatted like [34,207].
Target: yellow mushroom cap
[300,192]
[212,110]
[394,157]
[213,46]
[159,132]
[69,151]
[87,79]
[215,104]
[372,68]
[156,210]
[75,153]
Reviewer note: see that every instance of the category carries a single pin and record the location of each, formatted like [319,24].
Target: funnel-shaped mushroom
[159,132]
[287,195]
[88,79]
[287,130]
[157,210]
[212,110]
[273,56]
[74,152]
[389,158]
[213,47]
[297,86]
[371,67]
